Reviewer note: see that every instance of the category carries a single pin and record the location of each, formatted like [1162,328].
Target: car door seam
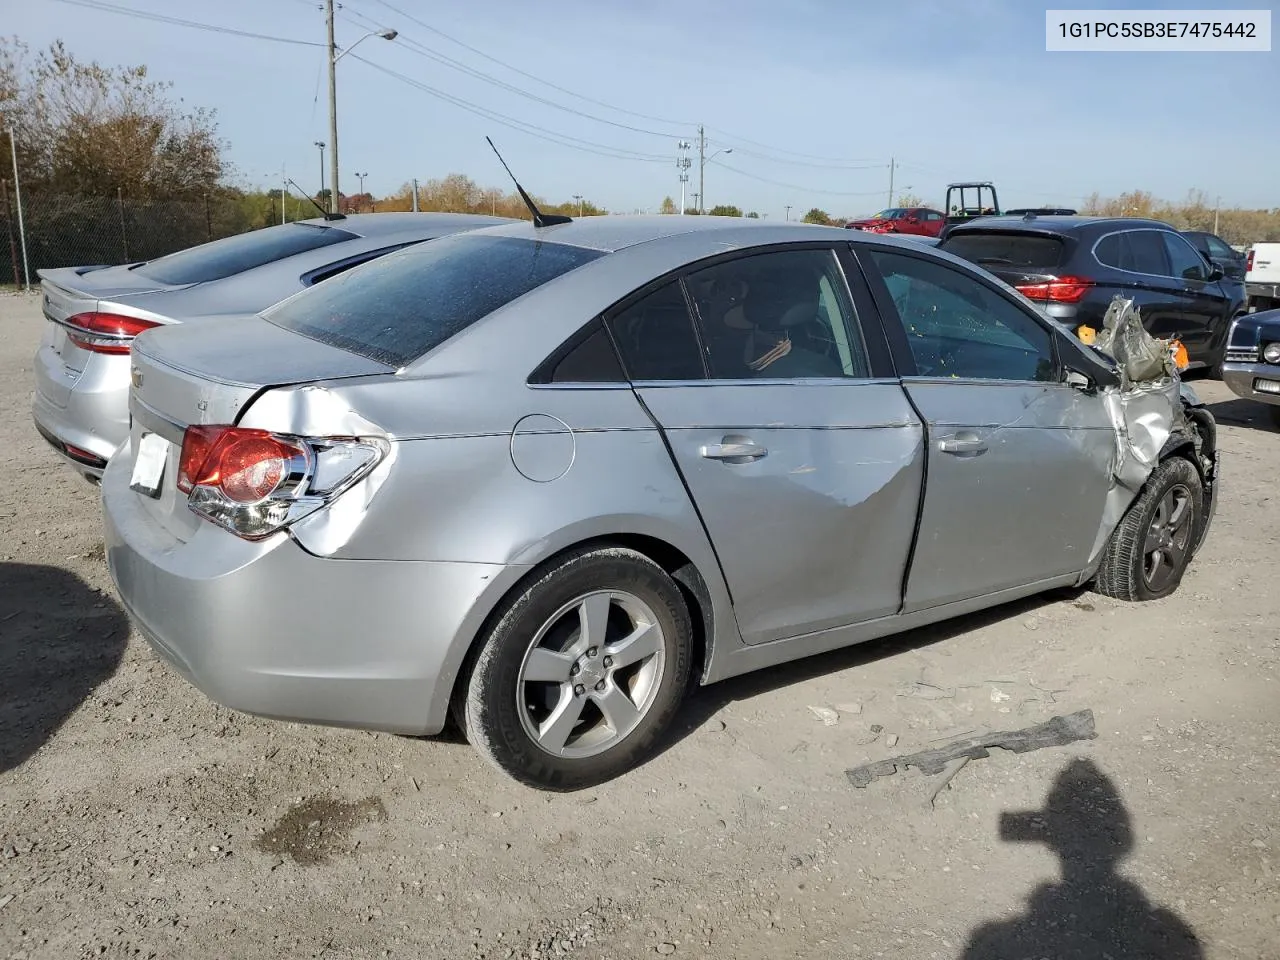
[693,501]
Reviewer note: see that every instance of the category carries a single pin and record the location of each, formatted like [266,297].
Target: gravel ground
[137,819]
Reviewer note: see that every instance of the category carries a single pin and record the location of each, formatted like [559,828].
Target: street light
[334,57]
[702,185]
[578,197]
[320,144]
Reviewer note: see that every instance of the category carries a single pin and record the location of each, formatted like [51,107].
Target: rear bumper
[88,411]
[1243,379]
[270,629]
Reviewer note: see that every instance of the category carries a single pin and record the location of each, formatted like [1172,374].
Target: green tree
[753,215]
[724,210]
[818,216]
[668,205]
[85,128]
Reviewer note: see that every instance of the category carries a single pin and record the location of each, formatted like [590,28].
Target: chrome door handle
[963,444]
[733,451]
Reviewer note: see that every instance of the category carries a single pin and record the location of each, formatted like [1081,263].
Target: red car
[923,221]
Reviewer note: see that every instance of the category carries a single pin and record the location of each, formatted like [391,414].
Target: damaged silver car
[543,477]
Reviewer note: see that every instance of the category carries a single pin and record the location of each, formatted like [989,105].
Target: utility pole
[696,198]
[17,193]
[788,213]
[683,163]
[284,190]
[333,108]
[415,194]
[361,177]
[578,197]
[702,166]
[1217,203]
[320,144]
[892,163]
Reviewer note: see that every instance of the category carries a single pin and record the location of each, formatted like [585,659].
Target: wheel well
[679,567]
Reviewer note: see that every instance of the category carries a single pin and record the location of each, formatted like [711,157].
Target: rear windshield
[398,307]
[224,258]
[1002,248]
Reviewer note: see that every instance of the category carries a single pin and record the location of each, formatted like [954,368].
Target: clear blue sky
[953,90]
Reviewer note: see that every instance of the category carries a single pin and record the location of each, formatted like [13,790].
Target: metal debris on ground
[1055,732]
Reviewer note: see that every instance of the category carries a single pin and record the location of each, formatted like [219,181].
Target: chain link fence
[70,231]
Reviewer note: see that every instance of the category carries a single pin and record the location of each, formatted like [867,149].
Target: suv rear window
[231,255]
[398,307]
[1003,248]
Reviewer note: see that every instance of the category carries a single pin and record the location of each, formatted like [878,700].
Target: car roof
[611,233]
[1057,224]
[386,224]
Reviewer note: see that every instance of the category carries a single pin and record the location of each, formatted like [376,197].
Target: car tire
[1155,540]
[553,705]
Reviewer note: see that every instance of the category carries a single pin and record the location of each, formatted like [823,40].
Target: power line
[179,22]
[793,186]
[562,139]
[422,50]
[530,76]
[780,155]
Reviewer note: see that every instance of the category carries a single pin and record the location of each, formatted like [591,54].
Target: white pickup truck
[1262,276]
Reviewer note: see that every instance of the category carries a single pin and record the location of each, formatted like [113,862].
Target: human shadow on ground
[59,640]
[1091,912]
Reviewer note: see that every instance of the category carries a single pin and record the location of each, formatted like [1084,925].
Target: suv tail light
[1061,290]
[254,483]
[1248,261]
[104,332]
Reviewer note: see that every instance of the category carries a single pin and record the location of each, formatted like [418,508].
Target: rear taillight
[104,332]
[1248,261]
[253,482]
[1061,290]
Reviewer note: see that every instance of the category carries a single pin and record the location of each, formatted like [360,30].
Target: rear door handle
[963,444]
[733,450]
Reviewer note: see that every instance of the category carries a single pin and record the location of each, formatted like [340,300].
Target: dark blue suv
[1073,266]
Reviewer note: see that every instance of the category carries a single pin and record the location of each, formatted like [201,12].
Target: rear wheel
[582,672]
[1150,549]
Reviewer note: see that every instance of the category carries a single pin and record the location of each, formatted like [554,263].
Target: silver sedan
[542,478]
[81,396]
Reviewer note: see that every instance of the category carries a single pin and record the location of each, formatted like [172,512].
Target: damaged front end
[1155,416]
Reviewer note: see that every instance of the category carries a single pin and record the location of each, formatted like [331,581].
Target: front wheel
[1150,549]
[582,672]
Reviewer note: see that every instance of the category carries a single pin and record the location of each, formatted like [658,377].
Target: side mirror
[913,219]
[1215,272]
[1076,379]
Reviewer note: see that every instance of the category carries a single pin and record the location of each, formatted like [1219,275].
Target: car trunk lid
[209,374]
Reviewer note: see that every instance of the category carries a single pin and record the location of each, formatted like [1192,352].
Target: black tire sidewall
[1170,473]
[491,717]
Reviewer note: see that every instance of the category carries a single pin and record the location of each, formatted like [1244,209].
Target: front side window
[959,327]
[778,316]
[398,307]
[1183,258]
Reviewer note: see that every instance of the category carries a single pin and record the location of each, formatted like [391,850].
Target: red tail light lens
[255,483]
[104,332]
[1248,261]
[1062,290]
[246,466]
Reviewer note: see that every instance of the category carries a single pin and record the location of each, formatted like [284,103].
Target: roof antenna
[323,212]
[540,219]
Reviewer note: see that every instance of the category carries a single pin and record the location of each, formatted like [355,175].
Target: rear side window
[232,255]
[1004,248]
[398,307]
[1138,251]
[1217,248]
[656,338]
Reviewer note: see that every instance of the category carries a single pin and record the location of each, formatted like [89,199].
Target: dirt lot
[137,819]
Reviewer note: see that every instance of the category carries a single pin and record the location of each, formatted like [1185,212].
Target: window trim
[1093,251]
[879,357]
[896,332]
[308,277]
